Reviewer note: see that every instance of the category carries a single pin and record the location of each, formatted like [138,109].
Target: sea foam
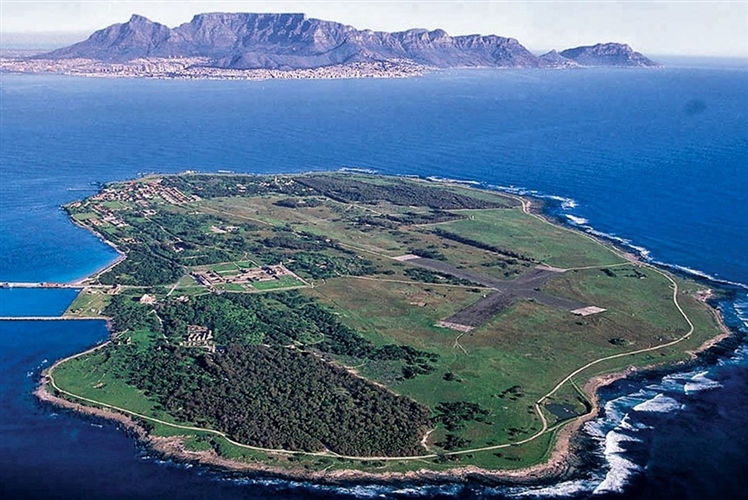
[579,221]
[620,467]
[700,382]
[659,404]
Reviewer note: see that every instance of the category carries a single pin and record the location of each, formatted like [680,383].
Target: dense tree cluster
[428,253]
[279,398]
[429,276]
[366,222]
[432,217]
[453,415]
[299,202]
[142,267]
[128,313]
[479,244]
[280,319]
[274,394]
[301,240]
[347,189]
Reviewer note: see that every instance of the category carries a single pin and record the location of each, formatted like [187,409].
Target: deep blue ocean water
[35,302]
[658,159]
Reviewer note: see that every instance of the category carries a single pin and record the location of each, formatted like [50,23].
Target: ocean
[656,160]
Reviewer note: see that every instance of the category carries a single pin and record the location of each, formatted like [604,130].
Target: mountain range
[294,41]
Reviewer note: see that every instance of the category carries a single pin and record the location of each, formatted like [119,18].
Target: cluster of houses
[141,194]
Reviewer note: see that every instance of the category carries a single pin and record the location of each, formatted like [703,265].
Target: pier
[44,284]
[53,318]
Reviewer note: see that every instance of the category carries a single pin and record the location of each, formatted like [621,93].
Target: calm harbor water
[657,159]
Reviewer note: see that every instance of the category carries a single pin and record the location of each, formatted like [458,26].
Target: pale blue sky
[653,27]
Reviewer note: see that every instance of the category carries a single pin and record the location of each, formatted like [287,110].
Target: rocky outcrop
[608,54]
[553,59]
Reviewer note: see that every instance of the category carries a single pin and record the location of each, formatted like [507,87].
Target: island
[260,46]
[339,325]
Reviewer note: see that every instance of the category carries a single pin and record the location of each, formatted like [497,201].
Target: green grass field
[527,235]
[94,377]
[278,284]
[89,302]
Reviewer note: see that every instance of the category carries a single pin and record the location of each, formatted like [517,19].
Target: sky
[697,28]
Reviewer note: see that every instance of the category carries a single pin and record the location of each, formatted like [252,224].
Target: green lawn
[89,302]
[282,282]
[93,378]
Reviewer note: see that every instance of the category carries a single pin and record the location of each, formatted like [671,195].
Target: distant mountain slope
[556,60]
[293,41]
[608,54]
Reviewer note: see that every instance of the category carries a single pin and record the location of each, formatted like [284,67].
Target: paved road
[526,286]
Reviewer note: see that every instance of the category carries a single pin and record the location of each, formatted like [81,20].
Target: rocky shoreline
[564,461]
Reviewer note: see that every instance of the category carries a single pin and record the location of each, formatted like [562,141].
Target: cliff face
[293,41]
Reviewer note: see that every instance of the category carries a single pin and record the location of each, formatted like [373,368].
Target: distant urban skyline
[697,28]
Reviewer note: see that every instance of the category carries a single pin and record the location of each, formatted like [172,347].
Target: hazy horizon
[660,28]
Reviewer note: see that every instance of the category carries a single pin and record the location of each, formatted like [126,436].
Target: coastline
[562,458]
[196,68]
[561,464]
[120,257]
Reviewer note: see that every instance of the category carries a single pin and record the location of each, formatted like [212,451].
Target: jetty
[52,318]
[44,284]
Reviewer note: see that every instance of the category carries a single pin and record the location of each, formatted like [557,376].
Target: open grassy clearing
[527,235]
[85,216]
[383,310]
[279,284]
[485,363]
[636,298]
[332,220]
[94,377]
[89,302]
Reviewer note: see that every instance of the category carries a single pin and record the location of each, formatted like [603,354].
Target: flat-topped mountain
[291,41]
[294,41]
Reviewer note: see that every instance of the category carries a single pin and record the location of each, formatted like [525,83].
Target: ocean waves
[636,411]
